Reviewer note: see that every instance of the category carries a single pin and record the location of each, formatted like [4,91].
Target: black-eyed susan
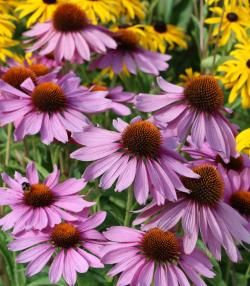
[5,6]
[103,11]
[236,74]
[232,20]
[243,141]
[160,36]
[188,76]
[7,26]
[5,52]
[37,10]
[132,8]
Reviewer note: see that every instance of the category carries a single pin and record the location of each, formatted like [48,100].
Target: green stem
[8,144]
[128,207]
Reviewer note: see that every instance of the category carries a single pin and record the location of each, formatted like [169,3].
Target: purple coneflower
[119,98]
[153,257]
[130,56]
[69,35]
[68,244]
[202,211]
[37,205]
[196,109]
[51,108]
[237,193]
[138,154]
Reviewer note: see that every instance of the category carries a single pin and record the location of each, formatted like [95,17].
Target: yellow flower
[243,141]
[5,6]
[189,75]
[132,8]
[228,2]
[236,74]
[211,2]
[5,52]
[161,36]
[7,26]
[37,10]
[235,21]
[100,10]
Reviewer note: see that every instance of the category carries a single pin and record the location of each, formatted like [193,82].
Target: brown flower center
[65,235]
[236,164]
[49,97]
[69,17]
[241,202]
[126,39]
[160,246]
[15,76]
[204,93]
[208,189]
[160,27]
[99,88]
[142,138]
[248,63]
[232,17]
[38,195]
[39,69]
[49,1]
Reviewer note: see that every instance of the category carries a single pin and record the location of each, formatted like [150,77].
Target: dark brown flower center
[49,97]
[232,17]
[15,76]
[142,138]
[126,39]
[49,1]
[241,202]
[208,189]
[160,246]
[69,18]
[39,69]
[38,195]
[65,235]
[248,63]
[204,93]
[160,27]
[236,164]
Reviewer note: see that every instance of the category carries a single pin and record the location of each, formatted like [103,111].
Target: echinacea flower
[197,109]
[205,154]
[236,74]
[138,154]
[119,98]
[69,35]
[103,11]
[235,22]
[50,108]
[155,257]
[237,193]
[161,36]
[71,246]
[130,57]
[37,10]
[243,141]
[36,204]
[202,211]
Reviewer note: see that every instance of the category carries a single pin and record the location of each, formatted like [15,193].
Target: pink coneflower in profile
[197,109]
[202,211]
[129,56]
[205,154]
[237,193]
[69,35]
[119,98]
[37,205]
[68,244]
[51,108]
[155,257]
[138,154]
